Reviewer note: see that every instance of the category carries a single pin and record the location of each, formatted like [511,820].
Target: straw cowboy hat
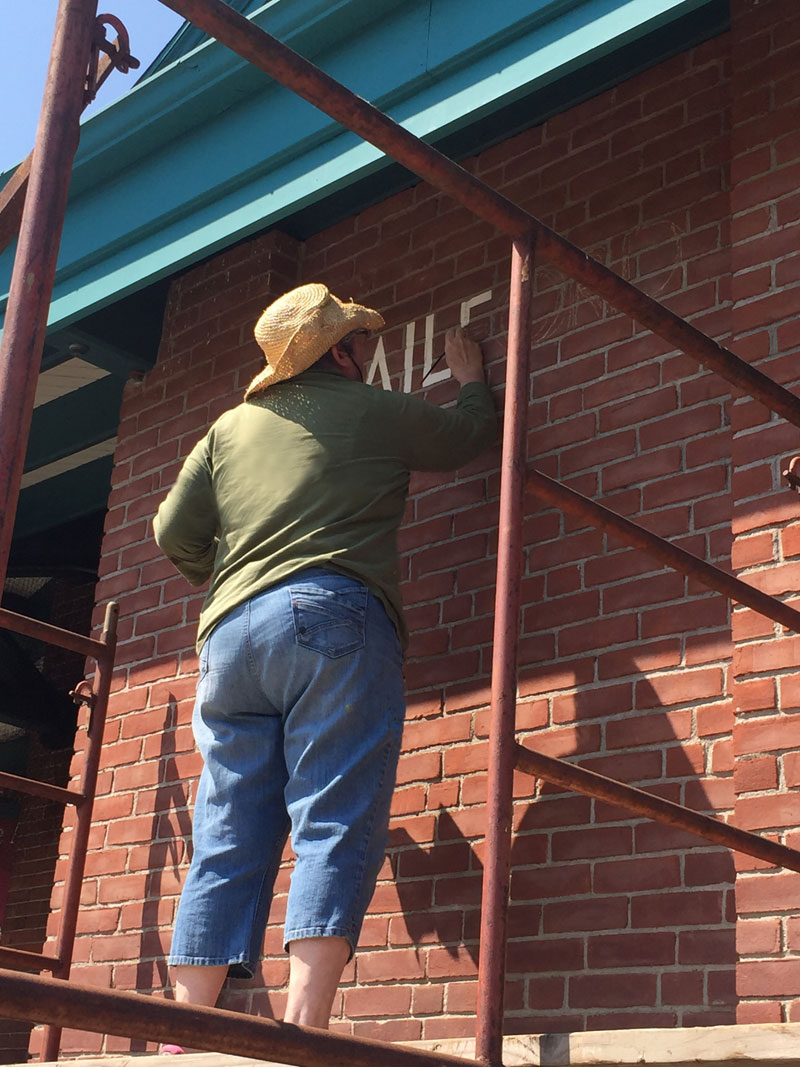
[301,326]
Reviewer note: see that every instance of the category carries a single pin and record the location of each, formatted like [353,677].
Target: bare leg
[315,968]
[195,985]
[198,985]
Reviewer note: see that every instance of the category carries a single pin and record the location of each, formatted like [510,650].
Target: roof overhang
[209,150]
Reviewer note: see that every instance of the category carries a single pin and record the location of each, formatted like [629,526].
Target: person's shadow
[614,920]
[163,857]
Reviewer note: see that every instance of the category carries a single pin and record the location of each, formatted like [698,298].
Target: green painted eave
[190,37]
[208,150]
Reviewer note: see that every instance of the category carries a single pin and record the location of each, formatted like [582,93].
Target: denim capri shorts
[299,716]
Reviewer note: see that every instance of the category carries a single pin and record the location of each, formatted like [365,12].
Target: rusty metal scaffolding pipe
[37,251]
[35,999]
[12,201]
[51,635]
[39,789]
[34,961]
[296,73]
[592,784]
[73,880]
[670,555]
[497,865]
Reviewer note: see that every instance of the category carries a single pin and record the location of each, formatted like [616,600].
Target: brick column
[765,237]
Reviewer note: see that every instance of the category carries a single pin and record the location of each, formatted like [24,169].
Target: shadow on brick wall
[614,921]
[163,880]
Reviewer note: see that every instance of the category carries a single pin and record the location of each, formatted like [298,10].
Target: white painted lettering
[379,364]
[468,305]
[438,375]
[409,356]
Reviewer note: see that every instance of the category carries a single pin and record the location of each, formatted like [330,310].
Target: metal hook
[83,694]
[118,52]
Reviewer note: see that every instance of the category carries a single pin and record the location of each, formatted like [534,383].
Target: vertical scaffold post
[496,872]
[73,881]
[37,250]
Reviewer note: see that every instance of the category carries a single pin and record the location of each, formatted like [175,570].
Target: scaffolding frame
[39,999]
[94,696]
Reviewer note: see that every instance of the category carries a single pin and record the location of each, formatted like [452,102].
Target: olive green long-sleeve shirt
[312,472]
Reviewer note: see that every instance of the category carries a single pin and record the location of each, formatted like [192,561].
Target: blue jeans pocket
[330,621]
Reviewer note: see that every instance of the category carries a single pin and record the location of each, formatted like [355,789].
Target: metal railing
[152,1019]
[133,1015]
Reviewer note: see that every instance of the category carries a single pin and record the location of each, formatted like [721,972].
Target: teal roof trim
[189,37]
[208,150]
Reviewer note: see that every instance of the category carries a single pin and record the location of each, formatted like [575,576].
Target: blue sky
[26,33]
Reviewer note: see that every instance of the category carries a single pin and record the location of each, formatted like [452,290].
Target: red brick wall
[765,237]
[624,667]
